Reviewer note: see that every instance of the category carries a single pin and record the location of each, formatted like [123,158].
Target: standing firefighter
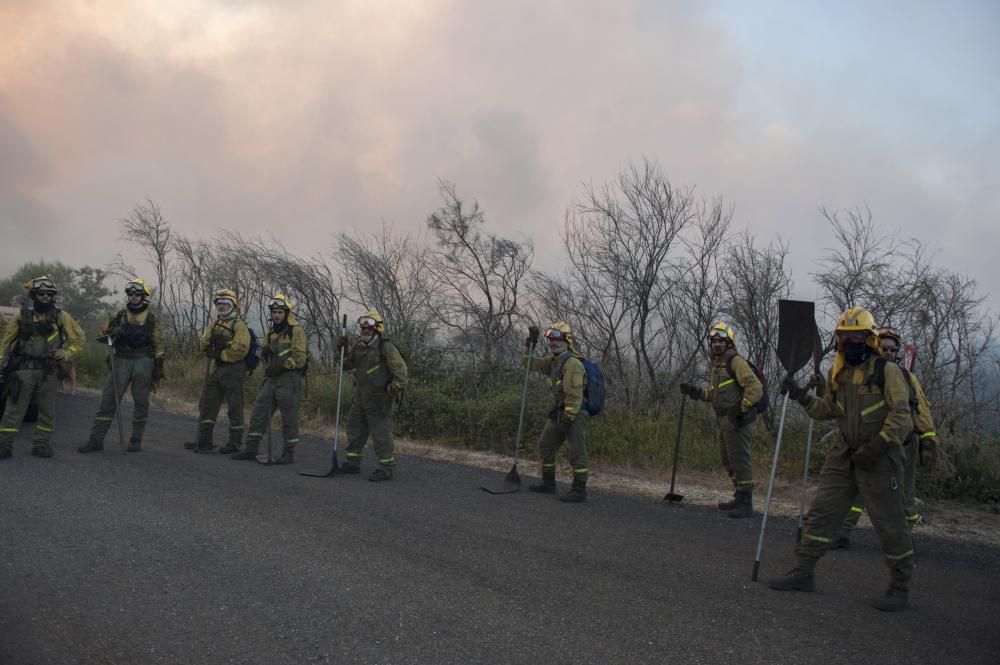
[874,419]
[34,344]
[380,377]
[568,419]
[920,446]
[226,341]
[284,355]
[734,390]
[138,348]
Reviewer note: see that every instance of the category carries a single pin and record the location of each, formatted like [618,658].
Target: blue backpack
[252,358]
[594,391]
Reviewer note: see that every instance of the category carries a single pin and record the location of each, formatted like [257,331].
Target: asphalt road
[165,556]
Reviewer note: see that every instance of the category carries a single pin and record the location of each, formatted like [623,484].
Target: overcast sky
[301,118]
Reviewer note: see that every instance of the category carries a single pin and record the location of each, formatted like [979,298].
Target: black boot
[287,456]
[729,505]
[547,484]
[577,492]
[42,450]
[229,449]
[90,447]
[350,469]
[893,600]
[134,446]
[796,579]
[380,475]
[841,543]
[744,505]
[189,445]
[204,447]
[248,453]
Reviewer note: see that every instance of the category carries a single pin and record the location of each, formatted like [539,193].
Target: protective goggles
[224,303]
[854,337]
[43,285]
[367,322]
[554,334]
[134,290]
[718,334]
[278,304]
[889,347]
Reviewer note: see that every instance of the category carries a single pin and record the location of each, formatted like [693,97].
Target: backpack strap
[732,372]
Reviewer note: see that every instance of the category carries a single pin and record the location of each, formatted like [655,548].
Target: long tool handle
[770,486]
[677,444]
[805,479]
[114,387]
[340,391]
[524,399]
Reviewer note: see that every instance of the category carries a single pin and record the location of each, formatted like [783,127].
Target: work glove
[565,425]
[214,353]
[394,389]
[928,451]
[158,374]
[113,332]
[745,418]
[794,390]
[273,370]
[341,343]
[691,390]
[817,382]
[532,337]
[867,456]
[289,364]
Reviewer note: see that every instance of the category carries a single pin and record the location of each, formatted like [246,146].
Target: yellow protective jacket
[567,379]
[68,336]
[725,392]
[286,348]
[138,319]
[376,364]
[862,409]
[237,337]
[923,420]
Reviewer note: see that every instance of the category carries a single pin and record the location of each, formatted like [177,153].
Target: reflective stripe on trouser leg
[13,414]
[357,431]
[107,407]
[883,493]
[549,442]
[853,515]
[837,489]
[736,442]
[577,441]
[260,417]
[286,396]
[380,425]
[141,377]
[909,485]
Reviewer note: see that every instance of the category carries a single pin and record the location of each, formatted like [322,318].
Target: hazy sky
[302,118]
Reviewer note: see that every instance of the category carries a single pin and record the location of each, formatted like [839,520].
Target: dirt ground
[978,523]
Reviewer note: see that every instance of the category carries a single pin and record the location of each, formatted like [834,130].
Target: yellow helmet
[280,301]
[857,319]
[561,330]
[226,294]
[721,331]
[372,319]
[43,284]
[137,285]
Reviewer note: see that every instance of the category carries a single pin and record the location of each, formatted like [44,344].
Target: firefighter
[225,341]
[568,420]
[284,354]
[138,347]
[380,376]
[920,447]
[34,344]
[874,418]
[734,391]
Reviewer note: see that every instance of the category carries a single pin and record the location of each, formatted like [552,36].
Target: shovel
[671,496]
[512,482]
[334,464]
[796,340]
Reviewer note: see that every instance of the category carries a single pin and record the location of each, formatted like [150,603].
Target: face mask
[42,307]
[856,352]
[367,335]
